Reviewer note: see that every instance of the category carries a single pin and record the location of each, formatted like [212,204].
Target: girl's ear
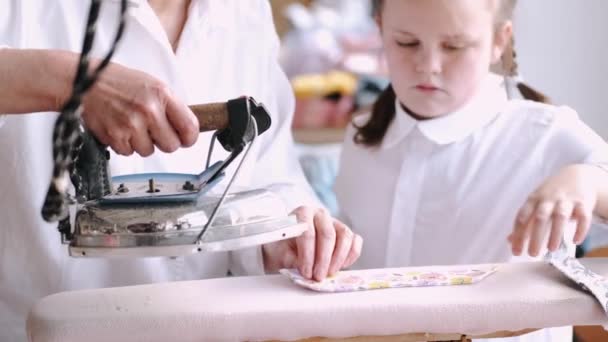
[502,41]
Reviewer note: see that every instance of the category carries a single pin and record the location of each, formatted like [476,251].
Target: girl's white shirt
[447,190]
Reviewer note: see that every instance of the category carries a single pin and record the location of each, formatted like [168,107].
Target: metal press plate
[168,244]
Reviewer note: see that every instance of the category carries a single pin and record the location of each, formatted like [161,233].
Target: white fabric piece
[228,48]
[517,297]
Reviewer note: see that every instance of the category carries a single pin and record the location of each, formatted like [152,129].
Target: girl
[446,169]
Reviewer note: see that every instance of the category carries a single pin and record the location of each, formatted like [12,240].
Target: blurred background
[330,50]
[562,49]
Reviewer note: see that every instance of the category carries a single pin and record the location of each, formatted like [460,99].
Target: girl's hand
[569,195]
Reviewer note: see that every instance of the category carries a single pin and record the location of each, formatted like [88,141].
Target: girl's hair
[383,110]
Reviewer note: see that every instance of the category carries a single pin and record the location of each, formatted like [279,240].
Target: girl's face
[439,51]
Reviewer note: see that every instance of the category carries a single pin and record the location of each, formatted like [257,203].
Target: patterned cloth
[581,275]
[361,280]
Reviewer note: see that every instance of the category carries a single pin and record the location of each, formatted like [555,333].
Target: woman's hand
[126,109]
[326,247]
[132,111]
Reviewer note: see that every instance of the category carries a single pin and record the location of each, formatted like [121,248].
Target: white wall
[562,48]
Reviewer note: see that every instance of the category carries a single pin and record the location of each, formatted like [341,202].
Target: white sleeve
[2,116]
[11,28]
[577,143]
[278,161]
[13,24]
[574,141]
[9,20]
[346,177]
[247,262]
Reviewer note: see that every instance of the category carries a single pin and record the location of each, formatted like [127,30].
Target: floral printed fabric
[348,281]
[584,277]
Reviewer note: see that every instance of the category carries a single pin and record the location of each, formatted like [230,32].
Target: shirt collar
[216,12]
[455,126]
[201,6]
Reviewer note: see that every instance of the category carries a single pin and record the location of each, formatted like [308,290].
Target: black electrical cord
[67,130]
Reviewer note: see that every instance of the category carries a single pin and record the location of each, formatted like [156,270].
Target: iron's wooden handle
[211,116]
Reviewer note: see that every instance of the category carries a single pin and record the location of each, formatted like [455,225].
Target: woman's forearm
[35,80]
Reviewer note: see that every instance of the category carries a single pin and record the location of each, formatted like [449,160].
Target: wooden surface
[211,116]
[418,337]
[315,136]
[278,6]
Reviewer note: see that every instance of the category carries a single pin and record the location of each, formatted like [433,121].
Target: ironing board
[519,298]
